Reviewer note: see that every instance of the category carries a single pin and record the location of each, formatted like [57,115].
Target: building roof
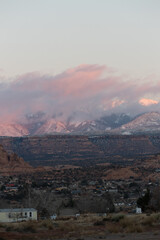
[18,210]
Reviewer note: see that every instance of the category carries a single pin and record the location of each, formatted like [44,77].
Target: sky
[76,56]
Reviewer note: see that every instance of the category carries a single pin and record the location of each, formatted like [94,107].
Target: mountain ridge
[145,123]
[122,124]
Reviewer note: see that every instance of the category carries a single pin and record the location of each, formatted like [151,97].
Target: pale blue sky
[52,35]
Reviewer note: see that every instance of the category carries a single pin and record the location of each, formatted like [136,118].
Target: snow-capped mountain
[104,124]
[52,126]
[14,130]
[38,124]
[81,127]
[145,123]
[112,124]
[113,121]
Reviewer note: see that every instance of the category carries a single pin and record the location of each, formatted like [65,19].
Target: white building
[18,214]
[138,210]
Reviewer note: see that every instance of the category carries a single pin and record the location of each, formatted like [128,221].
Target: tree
[95,204]
[143,202]
[155,199]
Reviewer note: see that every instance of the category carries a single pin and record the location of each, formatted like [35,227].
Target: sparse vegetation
[84,201]
[85,225]
[117,218]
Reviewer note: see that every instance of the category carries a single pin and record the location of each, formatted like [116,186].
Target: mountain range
[122,124]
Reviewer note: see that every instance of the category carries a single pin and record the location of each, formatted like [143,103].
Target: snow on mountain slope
[14,130]
[52,126]
[111,124]
[83,127]
[148,122]
[38,124]
[101,125]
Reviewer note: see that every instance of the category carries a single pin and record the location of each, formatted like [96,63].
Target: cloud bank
[83,92]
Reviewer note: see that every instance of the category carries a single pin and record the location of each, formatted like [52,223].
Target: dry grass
[114,228]
[87,225]
[133,224]
[138,228]
[117,217]
[47,224]
[29,226]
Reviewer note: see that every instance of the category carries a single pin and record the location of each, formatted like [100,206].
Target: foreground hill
[81,150]
[12,164]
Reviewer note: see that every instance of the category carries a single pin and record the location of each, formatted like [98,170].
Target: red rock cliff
[12,164]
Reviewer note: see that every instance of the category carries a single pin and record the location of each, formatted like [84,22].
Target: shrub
[131,224]
[99,223]
[9,228]
[118,217]
[107,219]
[114,228]
[134,228]
[29,227]
[149,220]
[157,217]
[1,225]
[47,224]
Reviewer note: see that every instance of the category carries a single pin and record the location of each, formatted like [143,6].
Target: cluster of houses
[124,192]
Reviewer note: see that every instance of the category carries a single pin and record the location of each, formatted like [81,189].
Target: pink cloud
[117,102]
[147,102]
[86,90]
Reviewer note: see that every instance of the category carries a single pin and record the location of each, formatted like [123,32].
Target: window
[30,214]
[25,214]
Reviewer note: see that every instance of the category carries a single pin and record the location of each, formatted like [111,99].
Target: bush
[9,228]
[29,227]
[47,224]
[99,223]
[134,228]
[131,224]
[149,220]
[118,217]
[114,228]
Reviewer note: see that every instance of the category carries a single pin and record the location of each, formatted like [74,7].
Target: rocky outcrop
[12,164]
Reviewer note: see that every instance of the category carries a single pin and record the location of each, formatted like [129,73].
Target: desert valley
[79,120]
[82,176]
